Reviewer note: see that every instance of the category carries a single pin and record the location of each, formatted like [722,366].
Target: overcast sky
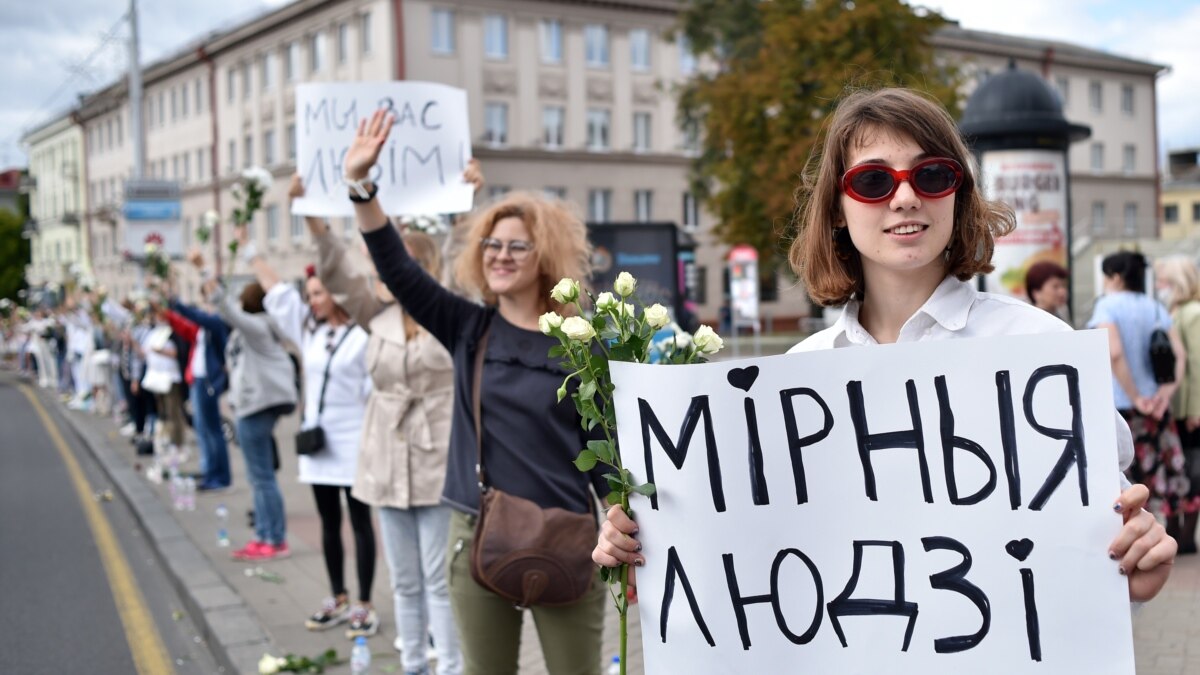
[49,40]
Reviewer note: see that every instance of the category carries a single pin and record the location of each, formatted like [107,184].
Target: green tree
[782,67]
[14,254]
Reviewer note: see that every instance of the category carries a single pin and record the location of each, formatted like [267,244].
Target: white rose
[268,665]
[657,316]
[211,218]
[625,284]
[707,340]
[578,328]
[565,291]
[549,321]
[628,310]
[605,301]
[259,175]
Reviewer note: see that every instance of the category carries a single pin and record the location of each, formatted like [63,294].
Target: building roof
[954,36]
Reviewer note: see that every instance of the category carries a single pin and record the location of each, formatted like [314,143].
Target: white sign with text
[919,508]
[420,167]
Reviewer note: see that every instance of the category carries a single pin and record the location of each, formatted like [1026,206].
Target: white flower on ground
[707,340]
[625,284]
[269,665]
[605,301]
[578,328]
[549,321]
[657,316]
[259,175]
[565,291]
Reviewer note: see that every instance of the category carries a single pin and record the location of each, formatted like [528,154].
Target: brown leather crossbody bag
[522,552]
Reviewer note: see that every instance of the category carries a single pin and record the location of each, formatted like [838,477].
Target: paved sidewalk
[244,616]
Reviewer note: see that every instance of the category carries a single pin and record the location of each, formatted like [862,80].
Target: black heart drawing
[1019,548]
[743,378]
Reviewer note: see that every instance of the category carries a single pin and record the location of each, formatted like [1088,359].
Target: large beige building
[569,98]
[58,242]
[1181,199]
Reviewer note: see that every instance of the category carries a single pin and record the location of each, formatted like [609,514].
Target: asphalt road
[59,566]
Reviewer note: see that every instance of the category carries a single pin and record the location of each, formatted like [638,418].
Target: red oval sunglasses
[932,178]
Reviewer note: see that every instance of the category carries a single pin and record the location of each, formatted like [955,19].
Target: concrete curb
[228,625]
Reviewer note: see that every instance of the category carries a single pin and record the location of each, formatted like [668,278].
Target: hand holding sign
[1143,548]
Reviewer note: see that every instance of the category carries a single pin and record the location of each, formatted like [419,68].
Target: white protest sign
[935,507]
[420,167]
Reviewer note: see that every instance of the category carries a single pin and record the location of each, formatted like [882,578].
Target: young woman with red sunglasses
[895,228]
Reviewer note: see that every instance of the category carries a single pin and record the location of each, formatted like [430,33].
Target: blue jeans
[415,543]
[206,421]
[254,435]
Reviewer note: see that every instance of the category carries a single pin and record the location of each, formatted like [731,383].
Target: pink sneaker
[248,551]
[268,552]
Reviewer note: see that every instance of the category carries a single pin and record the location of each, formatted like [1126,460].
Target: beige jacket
[1187,398]
[406,430]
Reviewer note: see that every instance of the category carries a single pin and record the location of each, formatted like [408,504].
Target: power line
[74,73]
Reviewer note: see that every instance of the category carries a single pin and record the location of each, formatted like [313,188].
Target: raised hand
[296,187]
[368,142]
[474,174]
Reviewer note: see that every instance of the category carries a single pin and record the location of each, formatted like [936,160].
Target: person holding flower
[895,228]
[516,250]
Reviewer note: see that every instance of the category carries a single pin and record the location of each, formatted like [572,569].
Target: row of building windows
[596,42]
[1128,157]
[599,126]
[1171,213]
[1096,95]
[1099,221]
[290,56]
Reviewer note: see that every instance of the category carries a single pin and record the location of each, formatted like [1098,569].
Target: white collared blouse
[957,310]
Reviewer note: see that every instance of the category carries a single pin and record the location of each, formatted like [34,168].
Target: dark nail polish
[1117,507]
[1121,569]
[634,533]
[1112,556]
[642,561]
[639,548]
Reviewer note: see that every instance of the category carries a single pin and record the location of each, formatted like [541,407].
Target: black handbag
[311,441]
[1162,357]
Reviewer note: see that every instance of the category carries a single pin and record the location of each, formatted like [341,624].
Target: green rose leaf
[645,489]
[586,461]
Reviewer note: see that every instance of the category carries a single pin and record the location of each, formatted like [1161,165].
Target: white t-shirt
[199,363]
[957,310]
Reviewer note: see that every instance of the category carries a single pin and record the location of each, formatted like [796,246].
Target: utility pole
[135,96]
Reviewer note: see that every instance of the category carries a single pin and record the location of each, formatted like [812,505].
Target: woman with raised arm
[262,388]
[516,251]
[405,440]
[894,227]
[333,350]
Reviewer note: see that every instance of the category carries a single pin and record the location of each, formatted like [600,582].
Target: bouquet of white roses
[249,193]
[616,332]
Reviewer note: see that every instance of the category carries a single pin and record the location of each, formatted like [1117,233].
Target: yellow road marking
[145,644]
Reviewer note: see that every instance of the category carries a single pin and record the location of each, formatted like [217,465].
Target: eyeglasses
[518,249]
[932,178]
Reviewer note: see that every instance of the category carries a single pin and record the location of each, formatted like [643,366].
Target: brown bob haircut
[252,298]
[559,238]
[832,271]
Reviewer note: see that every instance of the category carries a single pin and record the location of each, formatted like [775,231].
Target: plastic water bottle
[222,526]
[360,657]
[177,491]
[614,667]
[189,494]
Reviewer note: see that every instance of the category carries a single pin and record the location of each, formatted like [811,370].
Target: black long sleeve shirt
[529,440]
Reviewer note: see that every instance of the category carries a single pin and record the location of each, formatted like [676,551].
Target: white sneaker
[128,430]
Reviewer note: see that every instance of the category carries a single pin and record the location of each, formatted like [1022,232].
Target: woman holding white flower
[516,251]
[895,228]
